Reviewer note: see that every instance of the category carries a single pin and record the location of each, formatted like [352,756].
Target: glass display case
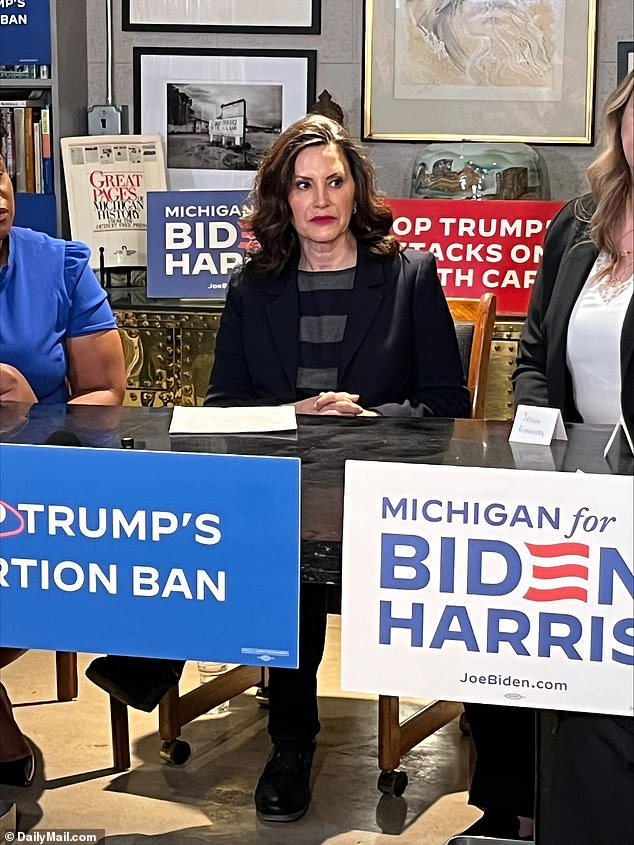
[470,170]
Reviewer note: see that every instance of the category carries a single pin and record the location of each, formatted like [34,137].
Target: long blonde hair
[610,177]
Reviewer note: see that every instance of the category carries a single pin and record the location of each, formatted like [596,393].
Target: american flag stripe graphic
[247,238]
[559,549]
[576,570]
[543,572]
[556,594]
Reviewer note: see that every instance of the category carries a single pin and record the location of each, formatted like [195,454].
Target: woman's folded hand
[335,403]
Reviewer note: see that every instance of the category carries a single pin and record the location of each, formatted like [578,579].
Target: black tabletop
[323,444]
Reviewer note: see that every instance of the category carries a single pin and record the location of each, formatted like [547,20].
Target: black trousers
[586,792]
[504,774]
[293,715]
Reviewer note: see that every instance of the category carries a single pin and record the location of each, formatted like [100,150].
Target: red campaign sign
[480,246]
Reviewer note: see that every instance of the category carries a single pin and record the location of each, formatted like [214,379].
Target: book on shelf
[27,71]
[47,158]
[107,180]
[37,157]
[25,143]
[20,149]
[7,141]
[29,150]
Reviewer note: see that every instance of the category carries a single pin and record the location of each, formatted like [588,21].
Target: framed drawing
[299,17]
[464,70]
[624,59]
[218,111]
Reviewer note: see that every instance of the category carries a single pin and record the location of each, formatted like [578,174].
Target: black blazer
[399,350]
[542,376]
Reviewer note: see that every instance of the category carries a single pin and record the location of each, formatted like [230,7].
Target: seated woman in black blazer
[577,354]
[330,315]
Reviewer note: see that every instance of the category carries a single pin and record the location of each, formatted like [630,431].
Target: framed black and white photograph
[298,17]
[218,111]
[465,70]
[624,59]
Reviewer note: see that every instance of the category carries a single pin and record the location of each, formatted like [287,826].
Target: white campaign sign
[500,586]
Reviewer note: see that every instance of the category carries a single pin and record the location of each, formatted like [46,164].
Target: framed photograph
[624,59]
[464,70]
[218,111]
[298,17]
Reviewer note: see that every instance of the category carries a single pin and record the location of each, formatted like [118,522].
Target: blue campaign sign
[194,242]
[158,554]
[25,32]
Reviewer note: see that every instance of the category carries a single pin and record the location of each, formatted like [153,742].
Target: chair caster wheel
[176,752]
[262,697]
[463,724]
[392,783]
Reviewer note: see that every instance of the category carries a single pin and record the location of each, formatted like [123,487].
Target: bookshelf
[65,95]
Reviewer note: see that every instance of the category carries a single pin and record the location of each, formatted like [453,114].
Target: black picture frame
[218,72]
[624,59]
[156,24]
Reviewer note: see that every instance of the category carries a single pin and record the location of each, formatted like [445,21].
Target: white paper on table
[250,420]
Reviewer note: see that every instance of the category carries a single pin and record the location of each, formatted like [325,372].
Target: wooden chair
[474,320]
[174,710]
[67,688]
[66,675]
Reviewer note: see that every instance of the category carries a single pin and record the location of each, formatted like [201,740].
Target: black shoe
[139,682]
[497,824]
[18,772]
[283,791]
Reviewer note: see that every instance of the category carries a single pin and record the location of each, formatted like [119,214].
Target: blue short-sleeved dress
[47,293]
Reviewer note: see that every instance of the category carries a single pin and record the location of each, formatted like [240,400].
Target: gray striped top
[324,304]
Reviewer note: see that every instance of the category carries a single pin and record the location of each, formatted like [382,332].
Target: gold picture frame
[463,70]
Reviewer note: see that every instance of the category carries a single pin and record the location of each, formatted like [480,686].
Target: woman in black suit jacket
[576,353]
[330,315]
[542,376]
[397,352]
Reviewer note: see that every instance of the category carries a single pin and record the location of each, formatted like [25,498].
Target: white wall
[339,70]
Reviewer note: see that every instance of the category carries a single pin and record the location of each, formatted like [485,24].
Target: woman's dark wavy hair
[270,217]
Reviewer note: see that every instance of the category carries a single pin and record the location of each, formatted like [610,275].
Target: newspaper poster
[107,180]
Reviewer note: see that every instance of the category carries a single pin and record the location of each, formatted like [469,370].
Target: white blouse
[593,345]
